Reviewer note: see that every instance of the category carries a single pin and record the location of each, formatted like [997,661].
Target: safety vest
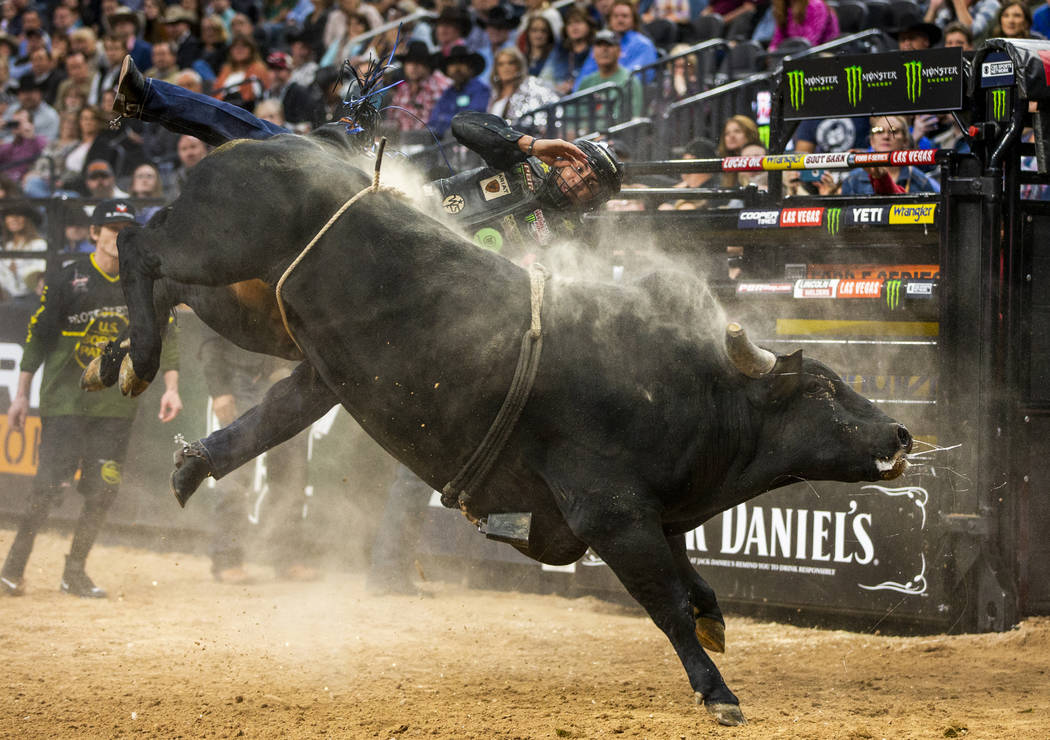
[501,211]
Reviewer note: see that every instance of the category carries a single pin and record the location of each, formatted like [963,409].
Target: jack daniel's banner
[868,84]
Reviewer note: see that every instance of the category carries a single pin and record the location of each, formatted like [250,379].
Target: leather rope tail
[324,229]
[458,491]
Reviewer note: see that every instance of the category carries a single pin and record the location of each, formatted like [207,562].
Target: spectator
[700,148]
[350,46]
[124,24]
[164,66]
[33,42]
[975,15]
[678,13]
[956,34]
[480,16]
[759,179]
[191,151]
[413,101]
[918,35]
[888,134]
[146,183]
[77,232]
[812,20]
[24,147]
[607,54]
[214,43]
[153,30]
[466,92]
[311,34]
[38,182]
[94,143]
[730,10]
[335,29]
[63,20]
[538,44]
[635,49]
[8,53]
[1040,21]
[244,76]
[451,28]
[541,7]
[738,132]
[45,75]
[304,68]
[300,105]
[179,23]
[685,80]
[31,99]
[90,431]
[78,78]
[107,77]
[499,33]
[573,51]
[101,182]
[514,90]
[84,41]
[1014,21]
[21,234]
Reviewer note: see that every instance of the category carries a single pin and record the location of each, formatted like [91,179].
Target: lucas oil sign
[866,84]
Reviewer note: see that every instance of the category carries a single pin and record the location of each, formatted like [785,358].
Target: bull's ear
[786,375]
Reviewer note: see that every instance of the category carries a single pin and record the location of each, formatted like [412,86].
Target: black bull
[640,425]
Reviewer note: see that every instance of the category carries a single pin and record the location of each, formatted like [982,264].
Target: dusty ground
[173,654]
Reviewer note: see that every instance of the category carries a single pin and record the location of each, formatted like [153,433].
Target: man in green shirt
[80,311]
[606,52]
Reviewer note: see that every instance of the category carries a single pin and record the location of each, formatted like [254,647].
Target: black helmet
[608,172]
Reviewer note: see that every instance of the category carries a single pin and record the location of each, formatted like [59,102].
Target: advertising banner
[869,84]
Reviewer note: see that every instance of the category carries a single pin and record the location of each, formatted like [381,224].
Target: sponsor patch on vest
[453,203]
[538,225]
[525,171]
[489,238]
[495,186]
[510,228]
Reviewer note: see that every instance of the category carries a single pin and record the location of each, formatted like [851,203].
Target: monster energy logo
[834,220]
[853,84]
[893,294]
[913,76]
[797,88]
[999,104]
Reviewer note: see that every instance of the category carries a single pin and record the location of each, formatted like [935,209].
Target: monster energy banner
[859,85]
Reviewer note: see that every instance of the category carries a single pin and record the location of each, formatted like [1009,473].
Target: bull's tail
[138,271]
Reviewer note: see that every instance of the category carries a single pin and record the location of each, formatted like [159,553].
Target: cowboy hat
[461,53]
[454,16]
[418,52]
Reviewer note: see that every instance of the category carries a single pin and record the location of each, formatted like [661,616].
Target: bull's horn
[752,361]
[91,378]
[130,383]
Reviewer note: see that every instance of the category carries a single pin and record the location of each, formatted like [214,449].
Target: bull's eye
[815,386]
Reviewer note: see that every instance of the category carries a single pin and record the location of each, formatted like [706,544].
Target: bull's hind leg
[620,523]
[710,625]
[137,275]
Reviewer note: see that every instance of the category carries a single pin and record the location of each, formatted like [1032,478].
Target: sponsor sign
[997,70]
[859,289]
[495,186]
[742,164]
[833,220]
[453,203]
[919,288]
[19,454]
[764,219]
[874,272]
[795,217]
[816,288]
[893,294]
[829,159]
[746,288]
[866,215]
[913,214]
[856,85]
[784,162]
[999,103]
[914,156]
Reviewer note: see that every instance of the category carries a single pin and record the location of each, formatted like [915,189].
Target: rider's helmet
[583,188]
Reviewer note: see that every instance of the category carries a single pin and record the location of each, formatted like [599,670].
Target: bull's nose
[904,437]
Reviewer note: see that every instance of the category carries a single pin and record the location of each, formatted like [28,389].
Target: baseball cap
[114,210]
[607,37]
[279,60]
[99,165]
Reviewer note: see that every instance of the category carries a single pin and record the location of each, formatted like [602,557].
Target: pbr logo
[893,294]
[999,104]
[797,88]
[913,76]
[854,84]
[833,220]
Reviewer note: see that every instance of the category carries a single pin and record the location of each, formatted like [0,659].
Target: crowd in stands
[283,60]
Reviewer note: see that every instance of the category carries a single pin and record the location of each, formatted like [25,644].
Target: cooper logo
[758,219]
[802,217]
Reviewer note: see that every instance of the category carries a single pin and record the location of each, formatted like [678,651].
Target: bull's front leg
[621,523]
[710,624]
[137,274]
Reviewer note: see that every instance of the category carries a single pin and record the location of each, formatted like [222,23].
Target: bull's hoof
[728,715]
[190,471]
[130,383]
[91,378]
[711,633]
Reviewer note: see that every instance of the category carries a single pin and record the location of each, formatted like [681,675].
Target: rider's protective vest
[500,209]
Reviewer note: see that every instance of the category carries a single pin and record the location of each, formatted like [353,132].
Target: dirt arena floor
[174,655]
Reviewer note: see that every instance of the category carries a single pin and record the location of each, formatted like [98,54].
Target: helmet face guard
[583,189]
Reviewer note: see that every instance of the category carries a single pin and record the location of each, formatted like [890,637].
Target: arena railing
[594,109]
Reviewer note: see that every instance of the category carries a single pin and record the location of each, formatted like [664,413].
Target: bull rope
[459,490]
[374,188]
